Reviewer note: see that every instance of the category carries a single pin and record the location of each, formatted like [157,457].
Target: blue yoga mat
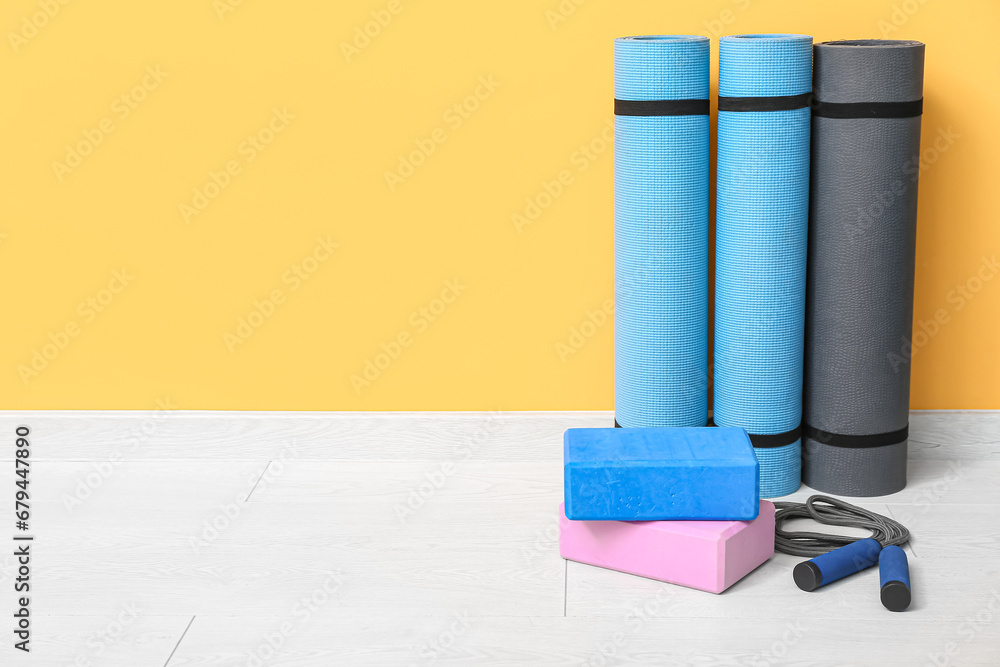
[661,230]
[762,212]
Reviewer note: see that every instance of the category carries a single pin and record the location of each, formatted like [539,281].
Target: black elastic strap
[776,440]
[617,425]
[776,103]
[661,107]
[868,109]
[857,441]
[762,441]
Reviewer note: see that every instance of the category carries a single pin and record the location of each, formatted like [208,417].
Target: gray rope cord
[832,512]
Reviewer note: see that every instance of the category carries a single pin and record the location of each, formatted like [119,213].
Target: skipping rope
[832,512]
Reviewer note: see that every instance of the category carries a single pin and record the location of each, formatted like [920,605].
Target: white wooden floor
[187,538]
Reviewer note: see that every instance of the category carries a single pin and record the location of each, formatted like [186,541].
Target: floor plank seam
[909,542]
[177,645]
[262,473]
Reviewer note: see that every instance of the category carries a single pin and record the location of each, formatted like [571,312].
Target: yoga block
[707,555]
[652,474]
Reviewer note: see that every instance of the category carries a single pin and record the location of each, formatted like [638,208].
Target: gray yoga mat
[862,241]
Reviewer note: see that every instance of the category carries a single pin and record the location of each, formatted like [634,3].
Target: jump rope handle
[894,574]
[837,564]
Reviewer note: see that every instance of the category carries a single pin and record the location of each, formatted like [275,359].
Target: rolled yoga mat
[762,210]
[661,230]
[866,143]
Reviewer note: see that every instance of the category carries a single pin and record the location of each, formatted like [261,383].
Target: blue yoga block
[653,474]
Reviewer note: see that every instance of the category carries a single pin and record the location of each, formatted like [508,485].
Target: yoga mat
[863,225]
[661,230]
[762,209]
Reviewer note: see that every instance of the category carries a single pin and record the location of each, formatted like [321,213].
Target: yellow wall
[169,93]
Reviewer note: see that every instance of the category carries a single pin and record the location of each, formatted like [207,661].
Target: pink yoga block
[707,555]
